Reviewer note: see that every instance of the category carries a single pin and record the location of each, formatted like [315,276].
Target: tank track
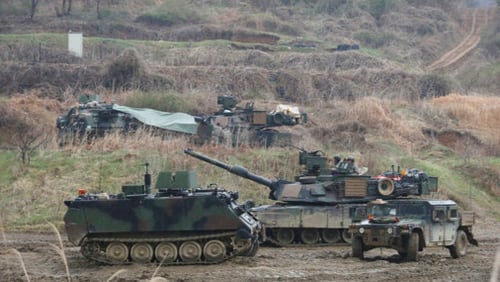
[297,242]
[100,256]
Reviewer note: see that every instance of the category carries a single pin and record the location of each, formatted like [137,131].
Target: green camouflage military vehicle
[235,126]
[318,206]
[92,118]
[410,225]
[179,224]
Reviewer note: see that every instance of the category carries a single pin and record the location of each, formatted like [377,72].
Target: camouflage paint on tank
[322,201]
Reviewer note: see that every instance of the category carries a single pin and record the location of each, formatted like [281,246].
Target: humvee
[409,225]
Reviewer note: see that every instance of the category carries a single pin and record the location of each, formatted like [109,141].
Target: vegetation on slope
[376,103]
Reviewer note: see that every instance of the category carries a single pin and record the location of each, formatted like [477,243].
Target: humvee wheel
[190,251]
[459,249]
[309,236]
[330,235]
[412,247]
[214,250]
[284,236]
[117,252]
[166,251]
[90,249]
[357,247]
[141,252]
[347,236]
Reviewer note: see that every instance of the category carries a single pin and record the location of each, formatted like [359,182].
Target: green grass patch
[159,101]
[35,196]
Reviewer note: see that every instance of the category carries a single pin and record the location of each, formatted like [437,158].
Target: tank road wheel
[252,251]
[90,249]
[330,235]
[309,236]
[347,236]
[357,248]
[284,236]
[214,250]
[166,251]
[412,247]
[190,251]
[459,249]
[141,252]
[117,252]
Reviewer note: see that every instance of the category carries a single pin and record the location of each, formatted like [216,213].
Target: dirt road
[43,263]
[476,19]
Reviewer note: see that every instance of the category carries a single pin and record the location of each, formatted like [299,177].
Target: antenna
[147,179]
[100,168]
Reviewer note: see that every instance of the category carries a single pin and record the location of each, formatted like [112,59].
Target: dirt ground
[43,263]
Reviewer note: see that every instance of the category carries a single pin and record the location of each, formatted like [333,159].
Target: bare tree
[65,7]
[22,131]
[27,138]
[34,4]
[98,8]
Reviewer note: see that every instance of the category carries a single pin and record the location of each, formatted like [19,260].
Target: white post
[75,43]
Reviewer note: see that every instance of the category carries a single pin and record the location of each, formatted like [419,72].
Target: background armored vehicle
[235,125]
[409,225]
[91,118]
[318,207]
[179,224]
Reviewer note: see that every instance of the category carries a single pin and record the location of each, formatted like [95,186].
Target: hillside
[422,91]
[393,97]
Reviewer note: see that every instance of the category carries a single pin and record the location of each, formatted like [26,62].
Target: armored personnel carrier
[409,225]
[92,118]
[234,125]
[318,206]
[178,224]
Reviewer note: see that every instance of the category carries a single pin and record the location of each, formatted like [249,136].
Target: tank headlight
[389,230]
[361,230]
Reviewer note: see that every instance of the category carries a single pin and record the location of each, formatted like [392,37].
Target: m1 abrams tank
[179,224]
[234,125]
[318,207]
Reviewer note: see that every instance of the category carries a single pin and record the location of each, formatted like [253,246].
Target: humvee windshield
[403,210]
[383,210]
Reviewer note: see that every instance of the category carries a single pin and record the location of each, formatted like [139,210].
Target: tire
[412,247]
[459,248]
[357,247]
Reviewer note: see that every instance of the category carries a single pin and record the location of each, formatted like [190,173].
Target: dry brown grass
[116,274]
[479,114]
[22,263]
[495,273]
[60,250]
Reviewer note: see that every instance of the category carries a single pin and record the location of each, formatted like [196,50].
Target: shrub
[170,12]
[14,8]
[491,40]
[158,101]
[374,39]
[124,70]
[433,85]
[329,6]
[379,7]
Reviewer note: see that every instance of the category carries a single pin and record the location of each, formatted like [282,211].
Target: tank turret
[236,125]
[320,188]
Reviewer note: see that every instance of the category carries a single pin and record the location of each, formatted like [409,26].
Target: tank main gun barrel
[234,169]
